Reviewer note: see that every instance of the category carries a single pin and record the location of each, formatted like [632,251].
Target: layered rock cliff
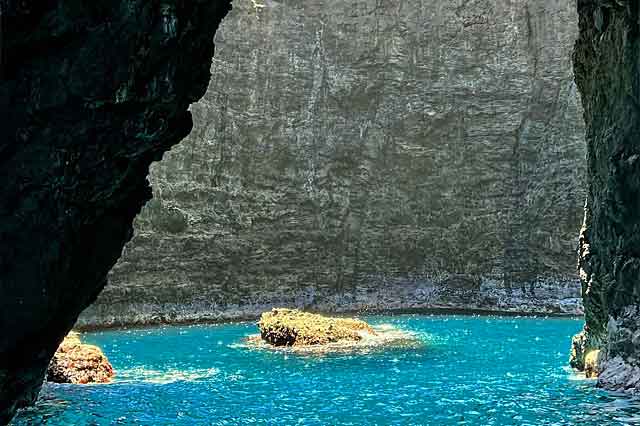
[607,72]
[369,154]
[90,94]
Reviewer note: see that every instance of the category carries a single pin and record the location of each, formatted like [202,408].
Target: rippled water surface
[470,370]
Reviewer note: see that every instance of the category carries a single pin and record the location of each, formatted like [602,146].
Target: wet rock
[606,61]
[619,375]
[78,363]
[290,327]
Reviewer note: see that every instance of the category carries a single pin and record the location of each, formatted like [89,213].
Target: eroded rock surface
[369,154]
[78,363]
[290,327]
[607,72]
[90,94]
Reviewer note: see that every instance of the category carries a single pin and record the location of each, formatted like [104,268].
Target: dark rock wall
[607,72]
[369,154]
[90,94]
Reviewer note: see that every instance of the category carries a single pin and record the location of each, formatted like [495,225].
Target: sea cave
[357,213]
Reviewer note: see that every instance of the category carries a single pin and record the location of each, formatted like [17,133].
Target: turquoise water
[470,370]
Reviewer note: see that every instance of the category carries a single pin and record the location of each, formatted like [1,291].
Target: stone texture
[578,351]
[369,155]
[78,363]
[290,327]
[620,375]
[592,363]
[90,94]
[307,333]
[608,75]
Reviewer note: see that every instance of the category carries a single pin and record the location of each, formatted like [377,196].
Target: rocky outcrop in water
[90,94]
[369,155]
[312,334]
[608,75]
[290,327]
[78,363]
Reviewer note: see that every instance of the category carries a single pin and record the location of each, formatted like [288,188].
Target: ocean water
[467,371]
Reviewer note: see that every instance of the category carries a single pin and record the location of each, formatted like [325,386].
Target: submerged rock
[79,363]
[291,327]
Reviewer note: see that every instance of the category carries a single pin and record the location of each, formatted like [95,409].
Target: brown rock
[290,327]
[592,361]
[78,363]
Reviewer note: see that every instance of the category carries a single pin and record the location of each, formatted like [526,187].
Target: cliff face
[608,75]
[370,154]
[90,94]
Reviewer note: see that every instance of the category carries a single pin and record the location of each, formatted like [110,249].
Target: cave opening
[368,157]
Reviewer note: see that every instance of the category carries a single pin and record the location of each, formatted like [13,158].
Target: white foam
[577,376]
[141,374]
[386,335]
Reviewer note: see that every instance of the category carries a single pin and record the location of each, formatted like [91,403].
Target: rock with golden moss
[79,363]
[290,327]
[592,362]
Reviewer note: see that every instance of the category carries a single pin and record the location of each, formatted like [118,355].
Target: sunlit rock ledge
[78,363]
[305,332]
[290,327]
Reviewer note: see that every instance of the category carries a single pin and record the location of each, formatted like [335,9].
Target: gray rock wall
[369,154]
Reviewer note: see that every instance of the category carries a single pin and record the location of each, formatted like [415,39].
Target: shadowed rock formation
[90,94]
[369,155]
[607,61]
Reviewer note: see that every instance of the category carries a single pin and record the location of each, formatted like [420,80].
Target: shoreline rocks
[78,363]
[381,295]
[606,59]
